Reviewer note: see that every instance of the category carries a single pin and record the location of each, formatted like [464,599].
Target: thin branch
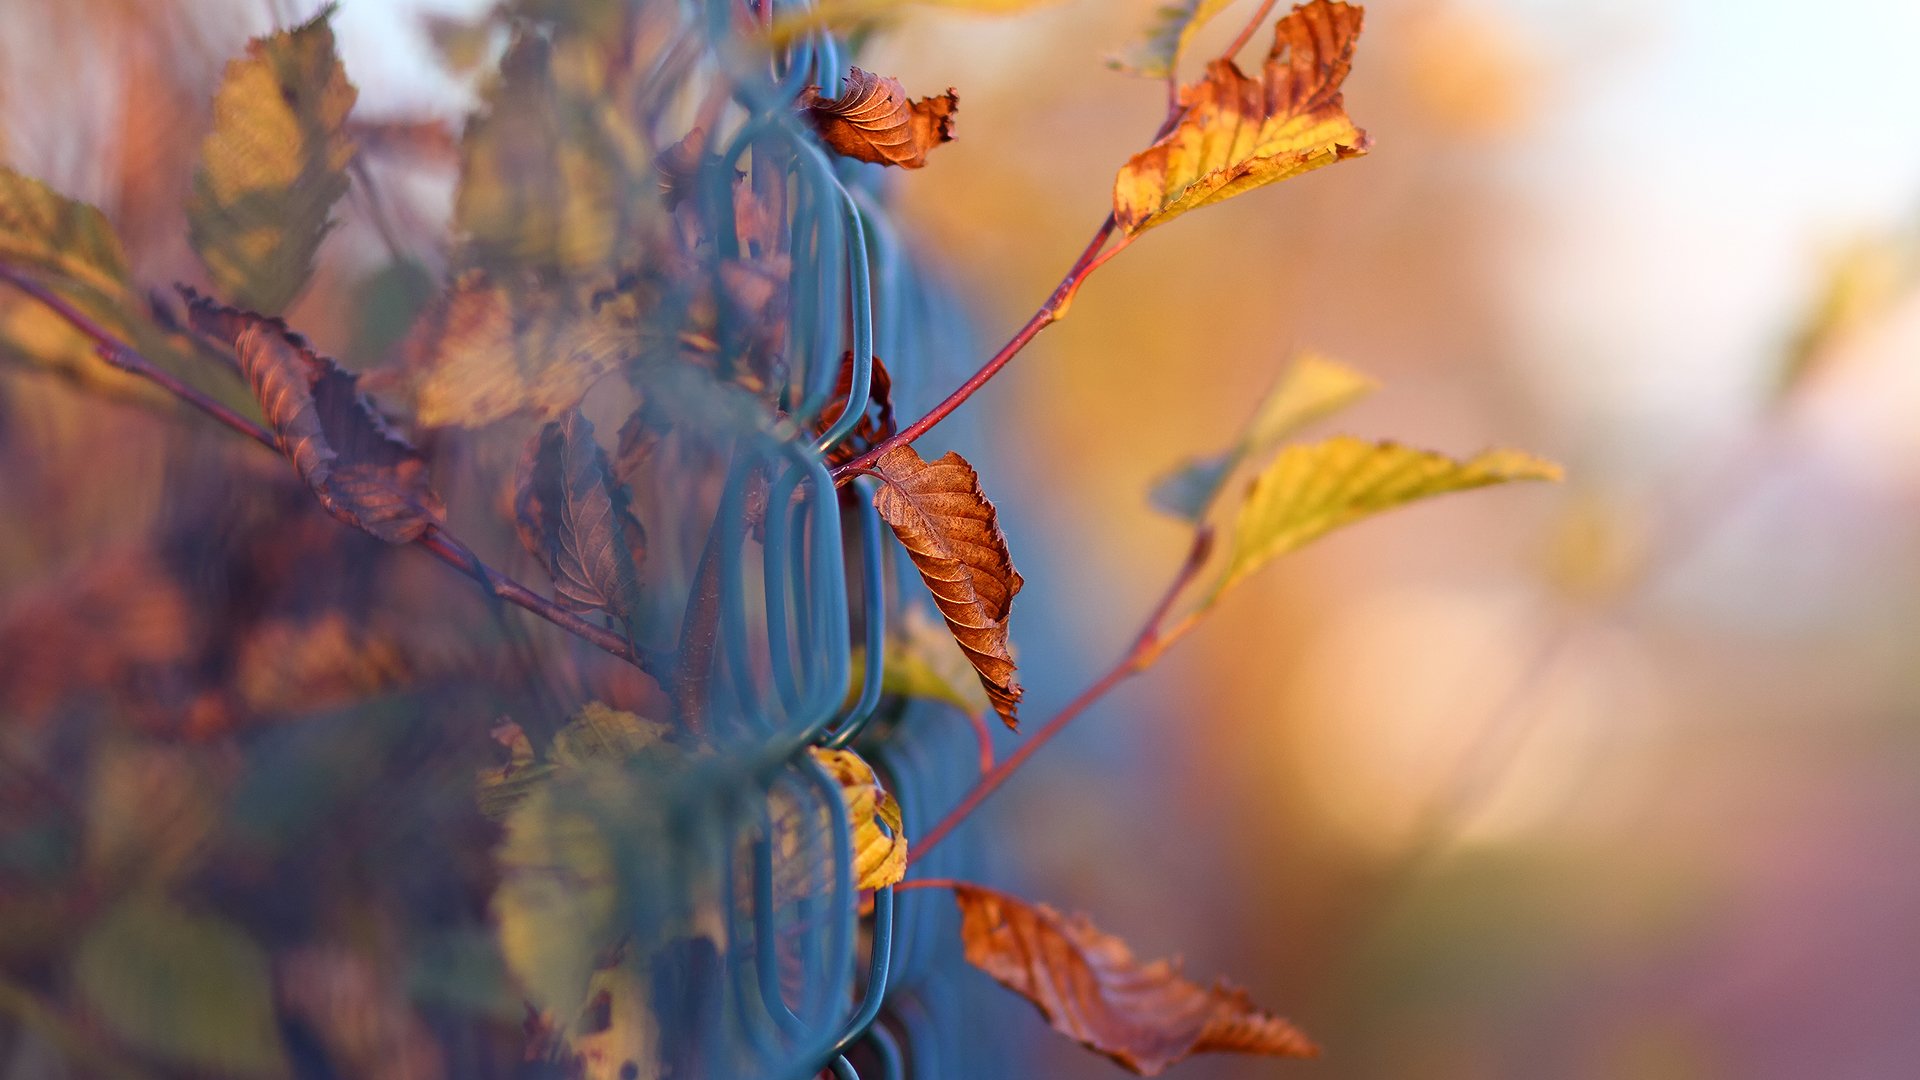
[1147,647]
[442,544]
[1246,32]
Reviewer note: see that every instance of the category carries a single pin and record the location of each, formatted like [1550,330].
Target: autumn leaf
[1239,133]
[1312,388]
[1309,491]
[854,14]
[879,854]
[1173,26]
[491,347]
[362,472]
[46,231]
[1090,988]
[273,166]
[876,424]
[551,178]
[873,121]
[574,518]
[953,535]
[922,660]
[188,989]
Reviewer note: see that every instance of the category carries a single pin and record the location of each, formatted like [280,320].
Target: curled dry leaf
[1239,133]
[362,472]
[953,535]
[273,166]
[573,518]
[1090,988]
[872,120]
[879,854]
[876,424]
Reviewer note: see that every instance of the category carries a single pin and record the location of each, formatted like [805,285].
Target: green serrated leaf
[273,166]
[188,989]
[44,230]
[1312,388]
[1309,491]
[1173,26]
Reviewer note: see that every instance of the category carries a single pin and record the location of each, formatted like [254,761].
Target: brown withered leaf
[875,427]
[362,472]
[872,120]
[1239,133]
[574,519]
[953,535]
[1090,988]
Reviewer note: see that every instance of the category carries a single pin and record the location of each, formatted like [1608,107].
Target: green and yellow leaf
[43,230]
[1309,491]
[1240,133]
[188,989]
[273,166]
[1311,389]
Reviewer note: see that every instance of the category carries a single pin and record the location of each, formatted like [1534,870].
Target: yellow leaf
[273,166]
[489,349]
[879,854]
[922,660]
[1309,491]
[44,230]
[551,176]
[600,733]
[1862,280]
[1239,133]
[1174,25]
[1312,388]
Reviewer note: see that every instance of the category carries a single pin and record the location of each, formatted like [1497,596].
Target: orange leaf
[362,472]
[953,534]
[875,427]
[1090,988]
[873,120]
[1239,133]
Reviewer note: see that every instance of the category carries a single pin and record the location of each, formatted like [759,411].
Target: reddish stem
[1049,313]
[927,883]
[1147,647]
[1246,32]
[442,544]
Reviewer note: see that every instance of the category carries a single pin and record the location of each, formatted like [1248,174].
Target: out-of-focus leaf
[44,230]
[490,348]
[500,788]
[876,424]
[108,626]
[573,518]
[617,1035]
[924,661]
[1091,989]
[551,177]
[273,166]
[872,120]
[1861,280]
[1312,389]
[879,854]
[188,989]
[853,14]
[953,535]
[358,1013]
[1309,491]
[302,665]
[600,733]
[1174,24]
[1240,133]
[150,810]
[361,471]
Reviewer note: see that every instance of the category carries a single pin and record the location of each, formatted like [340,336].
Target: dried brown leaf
[875,426]
[1090,988]
[872,120]
[953,535]
[574,518]
[362,472]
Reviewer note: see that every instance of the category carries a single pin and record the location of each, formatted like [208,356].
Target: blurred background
[1614,779]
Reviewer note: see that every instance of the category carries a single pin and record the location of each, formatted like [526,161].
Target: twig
[442,544]
[1147,647]
[1246,32]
